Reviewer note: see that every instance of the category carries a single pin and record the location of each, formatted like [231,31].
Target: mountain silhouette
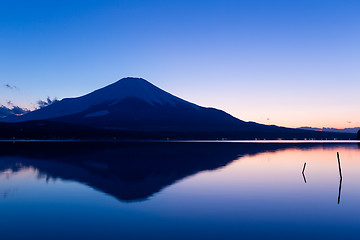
[134,104]
[131,171]
[135,108]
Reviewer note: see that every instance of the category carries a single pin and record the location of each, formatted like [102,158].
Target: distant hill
[135,108]
[339,130]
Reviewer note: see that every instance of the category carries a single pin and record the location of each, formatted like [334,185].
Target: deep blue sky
[289,62]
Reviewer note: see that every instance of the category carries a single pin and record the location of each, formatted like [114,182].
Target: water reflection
[129,172]
[193,191]
[303,174]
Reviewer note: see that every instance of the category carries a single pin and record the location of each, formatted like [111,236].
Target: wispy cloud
[11,87]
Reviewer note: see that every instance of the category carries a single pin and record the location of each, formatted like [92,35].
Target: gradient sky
[285,62]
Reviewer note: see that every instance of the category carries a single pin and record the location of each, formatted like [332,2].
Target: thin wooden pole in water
[338,157]
[304,168]
[303,172]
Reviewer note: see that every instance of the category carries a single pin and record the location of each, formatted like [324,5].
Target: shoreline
[177,141]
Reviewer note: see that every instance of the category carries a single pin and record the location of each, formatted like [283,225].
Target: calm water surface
[179,191]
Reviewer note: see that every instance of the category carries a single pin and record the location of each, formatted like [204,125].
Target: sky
[285,62]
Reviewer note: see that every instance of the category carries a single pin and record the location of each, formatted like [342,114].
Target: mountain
[132,103]
[101,102]
[135,104]
[135,108]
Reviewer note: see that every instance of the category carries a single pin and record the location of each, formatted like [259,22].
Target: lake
[183,190]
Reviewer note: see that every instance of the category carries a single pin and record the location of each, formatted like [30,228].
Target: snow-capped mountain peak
[134,87]
[112,94]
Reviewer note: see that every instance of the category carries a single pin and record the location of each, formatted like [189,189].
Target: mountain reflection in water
[128,171]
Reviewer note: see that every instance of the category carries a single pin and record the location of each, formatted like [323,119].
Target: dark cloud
[12,87]
[18,110]
[46,103]
[11,111]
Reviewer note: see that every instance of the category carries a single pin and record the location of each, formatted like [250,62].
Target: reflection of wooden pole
[338,157]
[339,191]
